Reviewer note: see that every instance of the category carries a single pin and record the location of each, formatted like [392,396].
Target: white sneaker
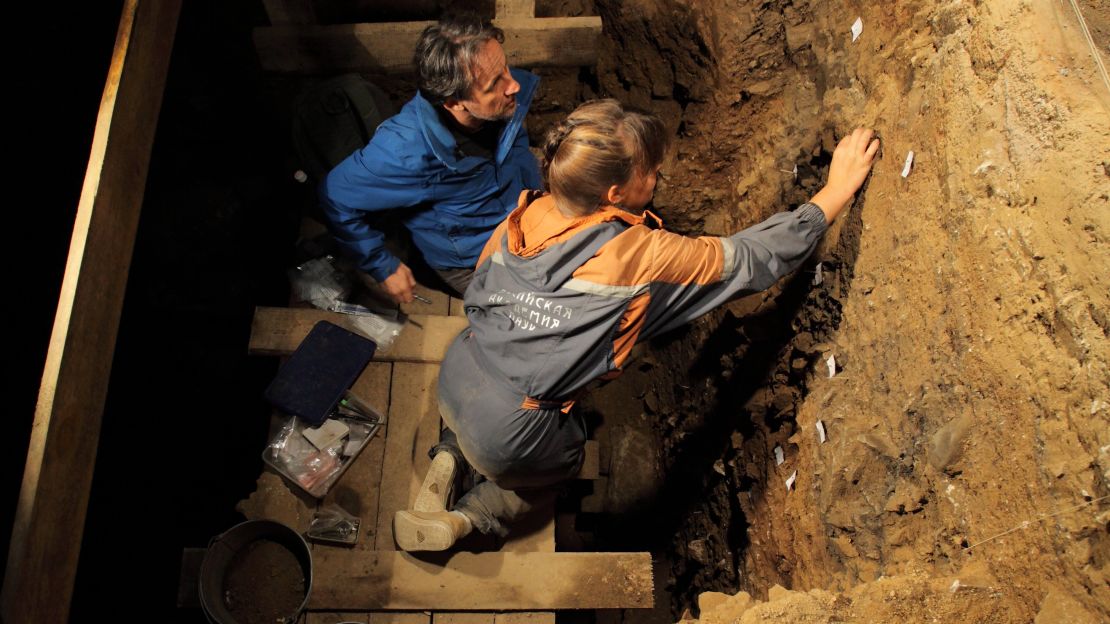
[432,531]
[437,485]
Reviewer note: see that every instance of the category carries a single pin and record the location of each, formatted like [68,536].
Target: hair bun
[554,139]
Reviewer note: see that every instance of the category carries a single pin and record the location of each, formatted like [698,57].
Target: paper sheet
[909,164]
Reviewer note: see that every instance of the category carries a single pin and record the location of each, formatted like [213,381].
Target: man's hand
[851,162]
[399,285]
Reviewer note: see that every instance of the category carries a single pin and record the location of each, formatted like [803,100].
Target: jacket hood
[543,248]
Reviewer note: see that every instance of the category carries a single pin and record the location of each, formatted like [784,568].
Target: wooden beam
[387,47]
[525,617]
[357,491]
[53,500]
[357,581]
[290,11]
[278,331]
[591,462]
[412,430]
[510,9]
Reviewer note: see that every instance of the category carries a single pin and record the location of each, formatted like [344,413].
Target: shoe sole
[413,533]
[437,484]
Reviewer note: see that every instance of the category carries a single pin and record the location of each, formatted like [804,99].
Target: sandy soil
[264,584]
[965,305]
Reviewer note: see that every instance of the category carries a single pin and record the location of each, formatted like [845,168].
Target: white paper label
[909,164]
[818,277]
[779,458]
[832,366]
[857,28]
[790,480]
[821,431]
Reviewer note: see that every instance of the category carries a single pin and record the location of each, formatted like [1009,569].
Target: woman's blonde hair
[598,145]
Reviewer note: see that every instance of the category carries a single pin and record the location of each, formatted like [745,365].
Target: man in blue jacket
[455,158]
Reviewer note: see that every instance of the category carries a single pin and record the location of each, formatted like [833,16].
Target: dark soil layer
[964,476]
[264,584]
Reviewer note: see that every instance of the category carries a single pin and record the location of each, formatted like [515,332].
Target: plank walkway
[373,583]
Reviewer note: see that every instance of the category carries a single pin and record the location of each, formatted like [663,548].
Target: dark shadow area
[56,88]
[185,423]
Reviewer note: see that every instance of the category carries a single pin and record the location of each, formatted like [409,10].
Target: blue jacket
[454,203]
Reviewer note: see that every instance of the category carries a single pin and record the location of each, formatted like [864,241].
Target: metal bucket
[222,551]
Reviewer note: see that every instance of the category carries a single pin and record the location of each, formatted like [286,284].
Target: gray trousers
[457,279]
[521,453]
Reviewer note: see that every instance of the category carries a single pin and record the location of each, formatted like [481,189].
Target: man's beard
[504,115]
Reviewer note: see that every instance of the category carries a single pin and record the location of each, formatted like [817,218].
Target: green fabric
[334,118]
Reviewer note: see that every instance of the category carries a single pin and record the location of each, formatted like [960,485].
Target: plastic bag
[327,286]
[382,330]
[315,470]
[320,283]
[331,523]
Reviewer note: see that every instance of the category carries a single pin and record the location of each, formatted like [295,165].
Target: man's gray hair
[445,56]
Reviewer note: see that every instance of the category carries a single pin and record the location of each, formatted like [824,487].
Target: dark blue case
[325,365]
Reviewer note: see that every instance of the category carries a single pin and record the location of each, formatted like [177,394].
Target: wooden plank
[399,617]
[525,617]
[50,518]
[358,490]
[591,462]
[463,617]
[290,11]
[278,331]
[412,430]
[332,617]
[387,47]
[456,308]
[510,9]
[188,583]
[355,581]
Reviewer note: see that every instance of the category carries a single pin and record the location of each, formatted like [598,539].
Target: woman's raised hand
[851,162]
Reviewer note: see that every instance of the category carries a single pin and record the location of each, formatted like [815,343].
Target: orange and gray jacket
[557,302]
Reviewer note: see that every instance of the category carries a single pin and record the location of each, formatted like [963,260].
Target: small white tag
[779,458]
[832,366]
[790,480]
[818,277]
[857,28]
[821,431]
[909,164]
[326,434]
[795,172]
